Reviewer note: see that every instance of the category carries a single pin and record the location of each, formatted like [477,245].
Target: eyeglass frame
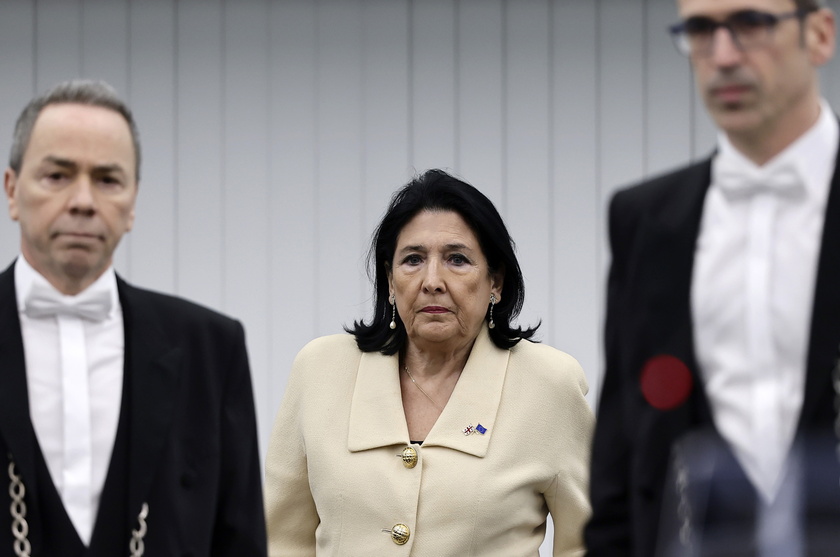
[770,22]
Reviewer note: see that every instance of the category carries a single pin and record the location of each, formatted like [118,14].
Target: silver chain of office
[20,527]
[683,507]
[135,545]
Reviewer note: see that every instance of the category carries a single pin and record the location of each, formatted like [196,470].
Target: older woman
[436,429]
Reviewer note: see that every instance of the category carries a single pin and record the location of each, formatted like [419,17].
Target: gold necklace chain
[421,390]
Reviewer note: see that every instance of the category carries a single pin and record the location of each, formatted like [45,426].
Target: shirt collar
[26,276]
[814,153]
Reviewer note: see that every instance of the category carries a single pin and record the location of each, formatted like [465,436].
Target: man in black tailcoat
[127,422]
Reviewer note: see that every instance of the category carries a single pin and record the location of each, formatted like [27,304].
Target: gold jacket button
[409,457]
[400,534]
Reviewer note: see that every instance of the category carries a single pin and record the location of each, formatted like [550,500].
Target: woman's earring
[393,324]
[492,324]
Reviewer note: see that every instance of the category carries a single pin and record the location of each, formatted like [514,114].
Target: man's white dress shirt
[57,403]
[753,289]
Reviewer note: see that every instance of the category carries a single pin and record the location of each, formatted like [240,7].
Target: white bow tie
[46,302]
[737,180]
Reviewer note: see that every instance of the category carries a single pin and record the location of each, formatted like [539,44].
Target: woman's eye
[412,259]
[458,259]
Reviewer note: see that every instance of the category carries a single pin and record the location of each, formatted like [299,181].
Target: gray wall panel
[667,93]
[245,286]
[433,95]
[480,148]
[293,171]
[528,204]
[105,41]
[58,41]
[622,87]
[385,112]
[577,187]
[152,94]
[339,248]
[198,150]
[17,24]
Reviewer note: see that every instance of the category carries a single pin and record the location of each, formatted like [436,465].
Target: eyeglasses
[749,29]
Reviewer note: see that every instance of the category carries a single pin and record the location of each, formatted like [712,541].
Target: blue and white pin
[469,430]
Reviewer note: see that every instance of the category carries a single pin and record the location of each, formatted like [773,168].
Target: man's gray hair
[77,91]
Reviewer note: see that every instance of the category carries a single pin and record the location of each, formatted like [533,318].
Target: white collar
[26,276]
[814,153]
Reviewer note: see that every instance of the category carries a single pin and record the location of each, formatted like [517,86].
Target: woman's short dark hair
[435,190]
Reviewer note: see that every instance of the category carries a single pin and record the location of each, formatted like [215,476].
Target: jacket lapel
[671,244]
[474,401]
[377,418]
[661,311]
[152,365]
[825,320]
[15,424]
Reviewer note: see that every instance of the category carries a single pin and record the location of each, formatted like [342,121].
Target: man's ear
[820,36]
[10,187]
[130,223]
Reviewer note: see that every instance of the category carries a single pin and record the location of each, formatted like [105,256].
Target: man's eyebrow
[109,168]
[67,163]
[58,161]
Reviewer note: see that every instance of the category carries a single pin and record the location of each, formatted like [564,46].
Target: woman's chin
[437,333]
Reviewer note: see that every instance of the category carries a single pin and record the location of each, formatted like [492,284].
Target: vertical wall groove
[456,79]
[271,193]
[222,166]
[551,176]
[82,64]
[504,112]
[34,36]
[126,243]
[411,95]
[315,161]
[645,89]
[594,376]
[175,134]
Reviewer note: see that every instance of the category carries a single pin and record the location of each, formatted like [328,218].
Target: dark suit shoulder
[173,312]
[672,198]
[653,192]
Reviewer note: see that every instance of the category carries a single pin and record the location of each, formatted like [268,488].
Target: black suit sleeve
[239,528]
[608,533]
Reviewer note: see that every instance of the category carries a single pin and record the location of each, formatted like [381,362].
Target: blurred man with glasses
[723,311]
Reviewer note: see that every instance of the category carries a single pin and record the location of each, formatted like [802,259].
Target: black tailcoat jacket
[186,443]
[653,235]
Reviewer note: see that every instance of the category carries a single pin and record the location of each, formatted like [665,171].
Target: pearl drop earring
[393,324]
